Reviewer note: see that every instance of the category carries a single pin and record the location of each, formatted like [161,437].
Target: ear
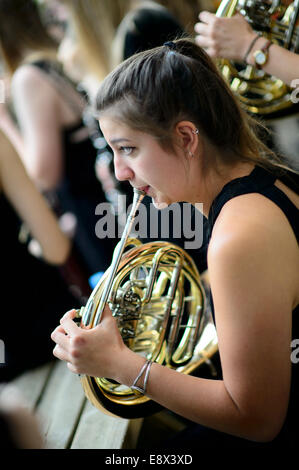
[188,136]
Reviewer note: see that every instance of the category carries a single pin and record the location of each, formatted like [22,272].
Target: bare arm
[254,331]
[252,281]
[230,38]
[31,206]
[9,128]
[39,139]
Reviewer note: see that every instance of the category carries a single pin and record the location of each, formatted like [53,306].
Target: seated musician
[178,133]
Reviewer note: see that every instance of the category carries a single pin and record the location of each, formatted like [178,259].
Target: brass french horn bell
[156,296]
[262,94]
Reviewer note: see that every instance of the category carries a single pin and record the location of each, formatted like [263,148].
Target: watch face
[260,57]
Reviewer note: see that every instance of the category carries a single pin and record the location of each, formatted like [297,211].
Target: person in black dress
[189,128]
[50,134]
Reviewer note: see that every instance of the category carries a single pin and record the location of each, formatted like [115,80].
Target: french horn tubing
[262,94]
[158,300]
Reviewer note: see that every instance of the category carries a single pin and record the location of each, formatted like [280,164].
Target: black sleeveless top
[259,181]
[79,192]
[262,181]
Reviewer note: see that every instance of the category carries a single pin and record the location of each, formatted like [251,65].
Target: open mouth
[145,189]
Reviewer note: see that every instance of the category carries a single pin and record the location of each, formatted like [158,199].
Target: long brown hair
[155,89]
[22,31]
[93,23]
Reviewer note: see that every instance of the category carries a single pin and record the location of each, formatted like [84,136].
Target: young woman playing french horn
[178,134]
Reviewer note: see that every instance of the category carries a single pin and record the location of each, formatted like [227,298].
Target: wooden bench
[70,421]
[67,419]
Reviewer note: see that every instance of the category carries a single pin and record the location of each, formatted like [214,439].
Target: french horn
[260,93]
[156,295]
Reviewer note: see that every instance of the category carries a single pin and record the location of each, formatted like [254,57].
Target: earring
[190,153]
[195,131]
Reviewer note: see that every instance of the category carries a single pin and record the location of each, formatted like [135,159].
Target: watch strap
[265,50]
[258,35]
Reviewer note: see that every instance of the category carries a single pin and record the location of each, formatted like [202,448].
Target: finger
[69,326]
[203,41]
[61,354]
[69,314]
[58,329]
[107,313]
[201,28]
[107,319]
[73,369]
[207,17]
[60,338]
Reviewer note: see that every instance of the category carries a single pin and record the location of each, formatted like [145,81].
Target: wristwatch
[261,55]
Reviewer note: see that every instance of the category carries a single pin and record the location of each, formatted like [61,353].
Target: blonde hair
[95,23]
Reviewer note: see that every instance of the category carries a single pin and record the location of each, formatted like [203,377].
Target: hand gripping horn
[156,296]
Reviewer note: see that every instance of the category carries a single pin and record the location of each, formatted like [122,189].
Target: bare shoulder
[253,239]
[26,75]
[31,93]
[30,80]
[32,89]
[252,217]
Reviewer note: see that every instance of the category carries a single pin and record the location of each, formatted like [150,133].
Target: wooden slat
[97,430]
[60,407]
[32,383]
[67,418]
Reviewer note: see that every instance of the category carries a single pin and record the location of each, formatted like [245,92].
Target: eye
[127,150]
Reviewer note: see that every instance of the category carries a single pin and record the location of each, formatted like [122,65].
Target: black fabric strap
[258,181]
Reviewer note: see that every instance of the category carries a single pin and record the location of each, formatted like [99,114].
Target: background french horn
[155,293]
[260,93]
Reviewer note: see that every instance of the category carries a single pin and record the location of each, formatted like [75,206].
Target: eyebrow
[121,139]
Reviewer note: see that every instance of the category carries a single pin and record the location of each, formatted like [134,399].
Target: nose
[65,49]
[122,171]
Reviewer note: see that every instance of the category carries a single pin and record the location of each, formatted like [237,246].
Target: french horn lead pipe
[117,254]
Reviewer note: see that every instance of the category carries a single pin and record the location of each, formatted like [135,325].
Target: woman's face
[69,54]
[139,158]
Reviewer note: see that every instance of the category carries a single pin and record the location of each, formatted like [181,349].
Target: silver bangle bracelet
[145,368]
